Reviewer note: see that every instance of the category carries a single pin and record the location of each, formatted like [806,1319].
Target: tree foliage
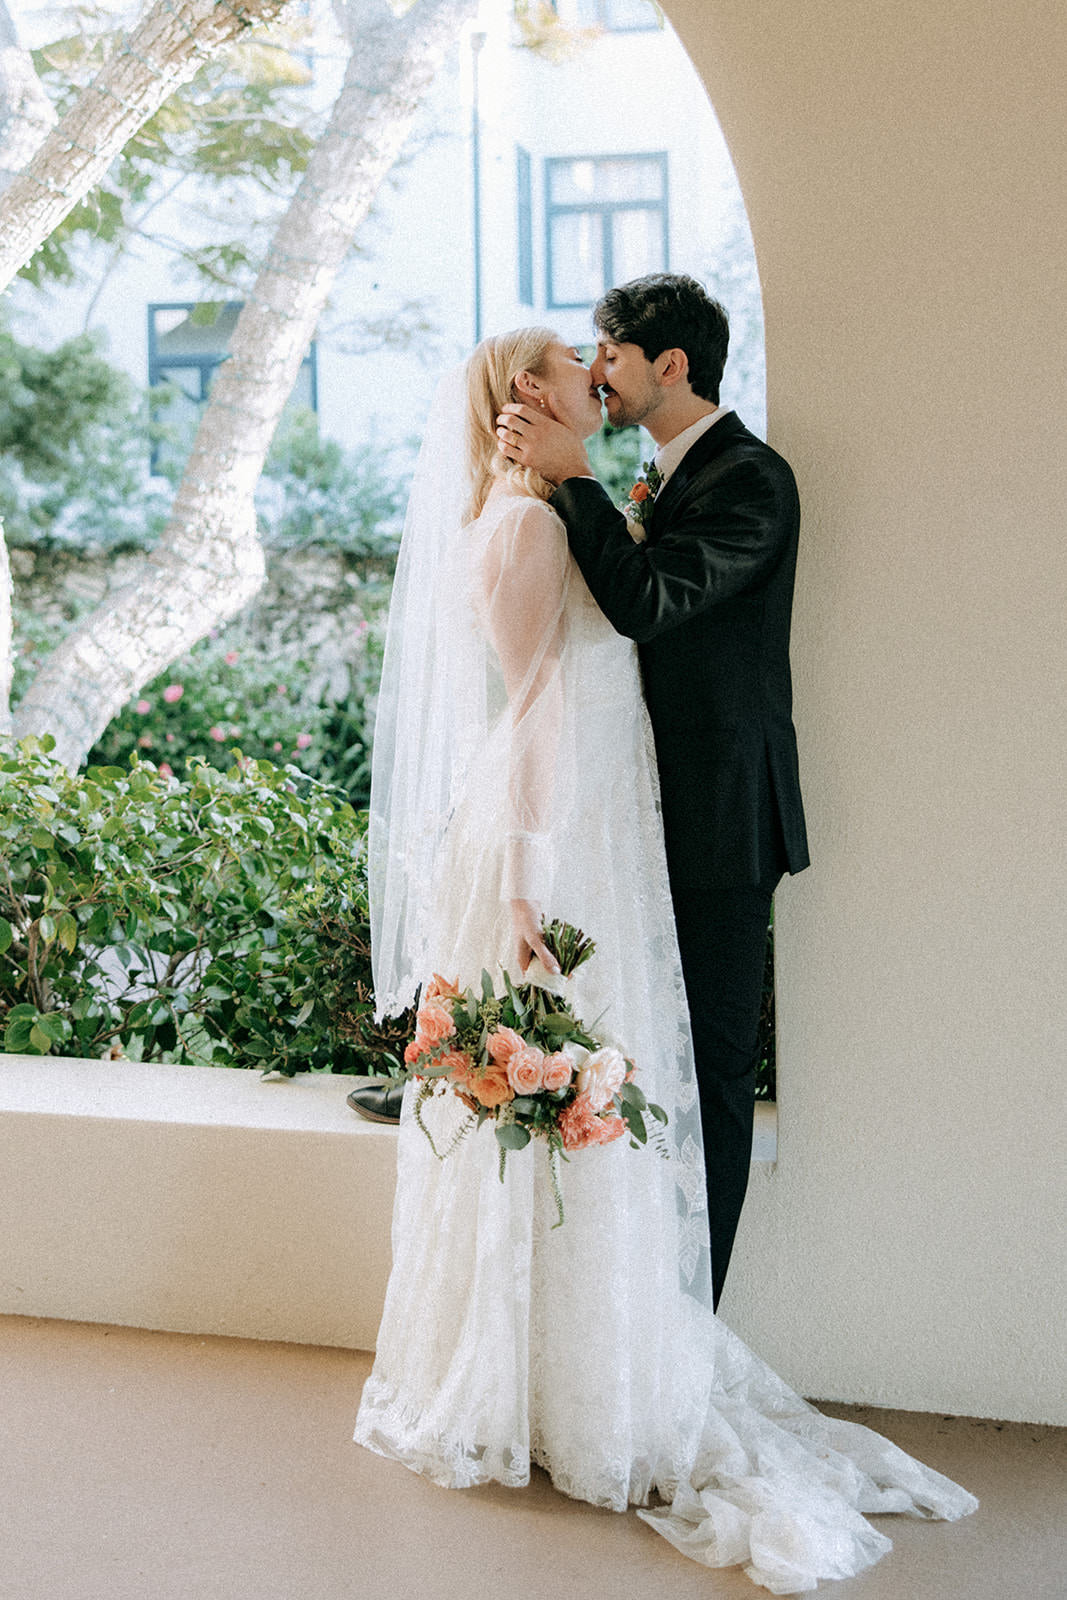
[242,119]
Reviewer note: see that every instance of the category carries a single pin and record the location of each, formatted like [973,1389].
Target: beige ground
[147,1466]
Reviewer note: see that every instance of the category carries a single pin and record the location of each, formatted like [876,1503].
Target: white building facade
[530,185]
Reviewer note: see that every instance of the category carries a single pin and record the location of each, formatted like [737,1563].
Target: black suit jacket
[708,598]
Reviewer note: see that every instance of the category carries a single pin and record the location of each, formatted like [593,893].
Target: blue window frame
[617,16]
[186,345]
[524,198]
[605,222]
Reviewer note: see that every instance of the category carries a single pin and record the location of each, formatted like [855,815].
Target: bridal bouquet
[525,1061]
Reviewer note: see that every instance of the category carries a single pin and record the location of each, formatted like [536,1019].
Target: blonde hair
[491,374]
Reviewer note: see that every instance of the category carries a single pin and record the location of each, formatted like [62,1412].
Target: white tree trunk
[26,113]
[209,561]
[7,661]
[164,50]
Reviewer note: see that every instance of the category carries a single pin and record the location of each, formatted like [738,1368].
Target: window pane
[618,16]
[585,182]
[636,244]
[577,259]
[178,335]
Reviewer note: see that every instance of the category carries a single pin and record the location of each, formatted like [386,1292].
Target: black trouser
[722,937]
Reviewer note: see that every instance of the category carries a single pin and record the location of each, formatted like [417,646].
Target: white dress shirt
[670,454]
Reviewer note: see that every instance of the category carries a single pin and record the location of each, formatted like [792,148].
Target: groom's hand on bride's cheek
[535,440]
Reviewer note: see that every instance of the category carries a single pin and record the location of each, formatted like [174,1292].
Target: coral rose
[600,1076]
[440,988]
[414,1050]
[503,1044]
[435,1022]
[526,1069]
[558,1071]
[640,491]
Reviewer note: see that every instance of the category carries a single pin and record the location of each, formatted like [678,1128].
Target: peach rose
[414,1050]
[458,1066]
[435,1022]
[639,492]
[600,1076]
[503,1044]
[558,1071]
[526,1069]
[581,1127]
[490,1087]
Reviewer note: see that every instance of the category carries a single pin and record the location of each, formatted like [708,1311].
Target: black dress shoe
[378,1102]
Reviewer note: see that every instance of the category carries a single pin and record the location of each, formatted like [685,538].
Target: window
[617,16]
[606,223]
[524,193]
[186,343]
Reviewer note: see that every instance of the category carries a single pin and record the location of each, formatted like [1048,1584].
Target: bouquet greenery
[524,1060]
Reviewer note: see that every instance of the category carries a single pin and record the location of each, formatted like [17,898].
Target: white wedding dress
[590,1348]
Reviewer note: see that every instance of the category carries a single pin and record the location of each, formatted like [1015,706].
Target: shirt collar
[668,456]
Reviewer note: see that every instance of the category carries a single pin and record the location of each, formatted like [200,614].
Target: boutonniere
[638,503]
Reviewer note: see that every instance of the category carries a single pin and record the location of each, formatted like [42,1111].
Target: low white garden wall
[196,1199]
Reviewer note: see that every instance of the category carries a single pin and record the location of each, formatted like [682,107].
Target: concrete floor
[151,1466]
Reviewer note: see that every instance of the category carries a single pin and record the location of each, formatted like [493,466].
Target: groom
[702,578]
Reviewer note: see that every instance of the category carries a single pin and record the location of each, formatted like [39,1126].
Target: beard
[628,413]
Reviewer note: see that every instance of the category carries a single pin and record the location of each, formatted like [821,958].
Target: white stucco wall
[899,164]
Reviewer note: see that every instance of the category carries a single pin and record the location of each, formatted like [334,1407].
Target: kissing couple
[586,716]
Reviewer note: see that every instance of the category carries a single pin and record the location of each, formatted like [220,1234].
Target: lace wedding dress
[590,1348]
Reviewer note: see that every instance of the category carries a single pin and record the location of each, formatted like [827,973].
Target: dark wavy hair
[669,311]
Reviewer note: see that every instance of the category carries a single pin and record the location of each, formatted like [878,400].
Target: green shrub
[219,696]
[221,920]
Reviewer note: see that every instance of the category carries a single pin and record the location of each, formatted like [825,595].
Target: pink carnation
[580,1126]
[526,1069]
[558,1071]
[173,692]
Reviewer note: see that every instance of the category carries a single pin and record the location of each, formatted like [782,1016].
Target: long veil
[431,705]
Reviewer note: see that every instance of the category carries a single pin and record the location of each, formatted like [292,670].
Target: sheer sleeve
[524,574]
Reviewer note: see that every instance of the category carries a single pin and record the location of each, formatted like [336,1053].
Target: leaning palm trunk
[209,562]
[165,49]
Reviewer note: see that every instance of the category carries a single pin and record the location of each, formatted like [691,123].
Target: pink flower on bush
[231,658]
[503,1044]
[166,770]
[580,1126]
[216,733]
[526,1069]
[276,746]
[145,741]
[170,738]
[173,692]
[558,1071]
[143,707]
[303,740]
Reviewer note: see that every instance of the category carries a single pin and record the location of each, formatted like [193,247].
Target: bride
[514,777]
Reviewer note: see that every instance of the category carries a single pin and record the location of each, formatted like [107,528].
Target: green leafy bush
[221,920]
